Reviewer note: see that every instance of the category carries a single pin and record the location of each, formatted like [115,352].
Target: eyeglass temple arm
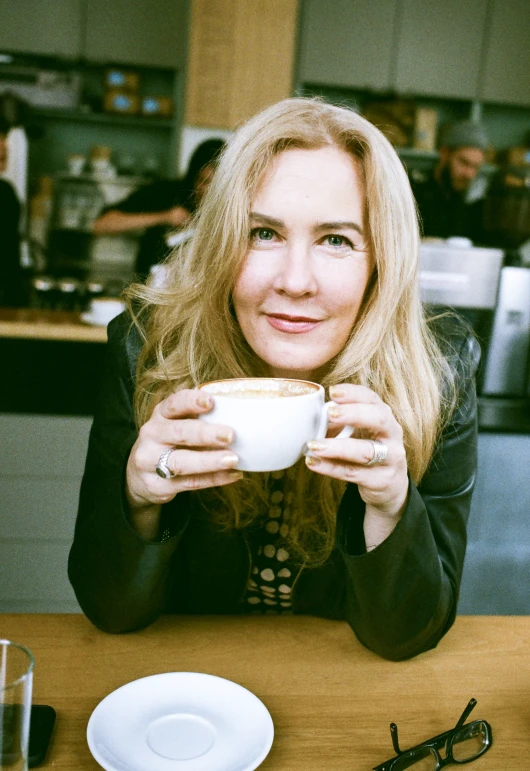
[394,735]
[465,714]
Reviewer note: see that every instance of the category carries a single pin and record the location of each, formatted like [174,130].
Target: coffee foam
[259,389]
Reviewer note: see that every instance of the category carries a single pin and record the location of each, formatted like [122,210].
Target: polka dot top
[270,583]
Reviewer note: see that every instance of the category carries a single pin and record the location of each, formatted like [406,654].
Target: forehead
[471,155]
[328,172]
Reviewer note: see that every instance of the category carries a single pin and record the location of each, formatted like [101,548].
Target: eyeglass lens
[469,741]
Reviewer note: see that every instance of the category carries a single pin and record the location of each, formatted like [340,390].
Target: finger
[347,392]
[185,463]
[376,418]
[357,451]
[196,433]
[203,481]
[348,472]
[184,404]
[160,491]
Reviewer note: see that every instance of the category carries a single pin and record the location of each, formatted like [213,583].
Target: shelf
[80,116]
[412,152]
[100,179]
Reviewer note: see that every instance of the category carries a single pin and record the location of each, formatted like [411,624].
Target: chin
[289,368]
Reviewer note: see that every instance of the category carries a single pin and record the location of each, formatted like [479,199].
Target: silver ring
[380,452]
[162,469]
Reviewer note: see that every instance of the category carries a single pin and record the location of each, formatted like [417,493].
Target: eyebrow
[338,225]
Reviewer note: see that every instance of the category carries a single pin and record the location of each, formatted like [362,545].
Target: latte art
[260,388]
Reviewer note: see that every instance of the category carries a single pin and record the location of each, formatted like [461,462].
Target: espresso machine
[495,300]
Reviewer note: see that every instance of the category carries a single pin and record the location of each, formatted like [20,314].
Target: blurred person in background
[442,197]
[11,272]
[162,207]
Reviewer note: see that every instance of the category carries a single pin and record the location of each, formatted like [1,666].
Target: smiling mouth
[292,324]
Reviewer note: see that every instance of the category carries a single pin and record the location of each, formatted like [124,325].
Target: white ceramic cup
[273,419]
[103,309]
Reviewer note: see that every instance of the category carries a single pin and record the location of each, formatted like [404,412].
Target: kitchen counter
[32,324]
[52,361]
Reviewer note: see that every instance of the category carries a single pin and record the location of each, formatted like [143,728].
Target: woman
[303,264]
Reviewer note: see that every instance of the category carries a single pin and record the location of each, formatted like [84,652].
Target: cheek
[252,284]
[246,292]
[346,292]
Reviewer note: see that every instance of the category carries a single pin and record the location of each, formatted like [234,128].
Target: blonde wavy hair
[191,334]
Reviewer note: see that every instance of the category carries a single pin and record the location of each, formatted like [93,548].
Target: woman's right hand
[201,457]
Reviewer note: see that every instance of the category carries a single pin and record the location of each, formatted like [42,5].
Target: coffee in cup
[272,418]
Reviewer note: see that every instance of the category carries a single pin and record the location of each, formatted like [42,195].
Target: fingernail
[205,401]
[225,436]
[316,446]
[311,461]
[336,392]
[335,412]
[235,475]
[230,461]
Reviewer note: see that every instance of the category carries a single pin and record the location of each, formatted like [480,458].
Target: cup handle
[346,432]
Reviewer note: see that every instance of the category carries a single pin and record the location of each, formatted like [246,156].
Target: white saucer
[88,318]
[180,721]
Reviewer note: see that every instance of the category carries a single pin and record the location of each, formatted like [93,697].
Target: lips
[293,325]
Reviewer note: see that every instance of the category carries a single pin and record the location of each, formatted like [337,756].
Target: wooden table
[29,323]
[331,700]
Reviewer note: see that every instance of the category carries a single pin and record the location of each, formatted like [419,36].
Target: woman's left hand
[383,486]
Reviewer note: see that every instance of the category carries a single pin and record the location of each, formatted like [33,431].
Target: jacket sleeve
[118,578]
[402,596]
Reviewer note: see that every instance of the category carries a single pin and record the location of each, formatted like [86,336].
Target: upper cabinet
[506,76]
[439,48]
[347,43]
[455,49]
[150,33]
[45,27]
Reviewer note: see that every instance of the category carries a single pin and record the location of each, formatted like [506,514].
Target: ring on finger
[162,469]
[380,452]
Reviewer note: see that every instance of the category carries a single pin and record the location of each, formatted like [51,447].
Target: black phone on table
[40,731]
[41,726]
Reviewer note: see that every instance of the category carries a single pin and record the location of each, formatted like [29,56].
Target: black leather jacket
[399,599]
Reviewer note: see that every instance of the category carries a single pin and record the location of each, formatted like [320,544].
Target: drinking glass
[16,681]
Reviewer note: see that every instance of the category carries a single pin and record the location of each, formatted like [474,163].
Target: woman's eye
[260,235]
[264,234]
[339,241]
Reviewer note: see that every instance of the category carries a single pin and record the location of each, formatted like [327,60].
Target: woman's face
[307,266]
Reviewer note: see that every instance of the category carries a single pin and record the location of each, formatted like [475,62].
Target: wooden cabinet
[439,48]
[148,33]
[347,43]
[506,77]
[46,27]
[456,49]
[241,59]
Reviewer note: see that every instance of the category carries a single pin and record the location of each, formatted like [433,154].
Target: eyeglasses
[461,744]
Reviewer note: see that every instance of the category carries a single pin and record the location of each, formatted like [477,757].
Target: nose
[296,273]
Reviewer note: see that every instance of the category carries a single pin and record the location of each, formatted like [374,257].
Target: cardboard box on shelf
[518,156]
[394,118]
[121,102]
[425,124]
[125,80]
